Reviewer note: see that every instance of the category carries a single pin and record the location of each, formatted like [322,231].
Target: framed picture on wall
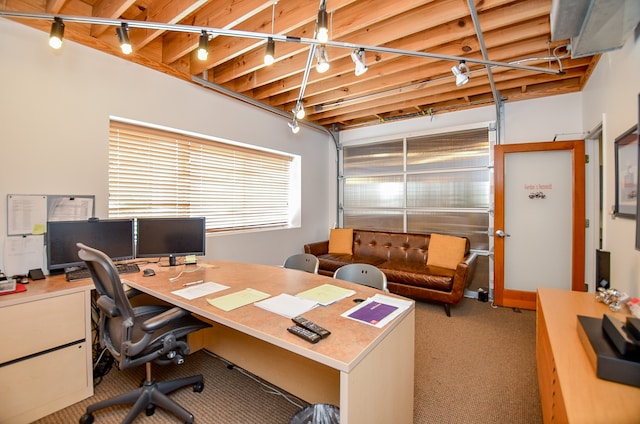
[626,151]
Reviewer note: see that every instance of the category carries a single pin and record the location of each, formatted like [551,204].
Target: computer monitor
[114,237]
[170,237]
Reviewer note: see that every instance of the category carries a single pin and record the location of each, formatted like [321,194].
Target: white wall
[611,97]
[54,121]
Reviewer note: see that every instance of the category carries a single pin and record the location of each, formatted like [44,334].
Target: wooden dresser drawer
[45,383]
[37,326]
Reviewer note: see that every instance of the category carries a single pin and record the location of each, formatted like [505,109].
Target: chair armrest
[107,306]
[163,319]
[317,248]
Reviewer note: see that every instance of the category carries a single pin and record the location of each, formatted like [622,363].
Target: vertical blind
[157,173]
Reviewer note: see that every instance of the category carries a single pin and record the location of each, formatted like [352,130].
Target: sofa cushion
[419,276]
[341,241]
[445,251]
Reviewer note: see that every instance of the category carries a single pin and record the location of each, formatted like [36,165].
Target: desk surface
[350,341]
[587,398]
[42,289]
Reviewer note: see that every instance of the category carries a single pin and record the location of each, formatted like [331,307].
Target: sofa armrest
[317,248]
[463,276]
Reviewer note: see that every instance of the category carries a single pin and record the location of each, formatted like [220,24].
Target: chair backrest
[117,318]
[365,274]
[304,262]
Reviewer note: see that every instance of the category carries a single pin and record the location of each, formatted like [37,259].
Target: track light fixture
[57,32]
[461,72]
[299,111]
[123,37]
[323,59]
[322,30]
[295,128]
[269,56]
[359,59]
[203,46]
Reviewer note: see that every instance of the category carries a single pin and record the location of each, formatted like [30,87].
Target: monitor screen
[114,237]
[170,237]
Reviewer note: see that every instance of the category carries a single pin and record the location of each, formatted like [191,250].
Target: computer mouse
[148,272]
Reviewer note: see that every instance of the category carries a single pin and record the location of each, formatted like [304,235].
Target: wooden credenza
[45,349]
[570,391]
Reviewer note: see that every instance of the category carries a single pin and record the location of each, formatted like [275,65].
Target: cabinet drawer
[34,327]
[38,386]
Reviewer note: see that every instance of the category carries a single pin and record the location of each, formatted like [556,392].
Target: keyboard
[83,273]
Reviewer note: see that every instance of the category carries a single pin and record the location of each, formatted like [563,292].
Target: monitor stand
[172,261]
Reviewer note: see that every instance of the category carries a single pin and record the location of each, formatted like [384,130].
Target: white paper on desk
[401,304]
[199,290]
[287,305]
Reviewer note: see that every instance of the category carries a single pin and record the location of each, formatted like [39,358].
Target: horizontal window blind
[154,173]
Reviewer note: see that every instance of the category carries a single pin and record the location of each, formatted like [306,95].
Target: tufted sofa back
[393,247]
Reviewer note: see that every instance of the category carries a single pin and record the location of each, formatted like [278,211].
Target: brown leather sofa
[403,259]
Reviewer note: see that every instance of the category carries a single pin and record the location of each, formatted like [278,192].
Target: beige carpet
[476,367]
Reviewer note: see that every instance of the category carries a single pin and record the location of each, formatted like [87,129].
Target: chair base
[148,396]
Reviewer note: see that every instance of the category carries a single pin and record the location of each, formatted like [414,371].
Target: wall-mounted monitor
[114,237]
[170,237]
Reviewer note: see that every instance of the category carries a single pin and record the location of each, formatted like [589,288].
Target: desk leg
[380,388]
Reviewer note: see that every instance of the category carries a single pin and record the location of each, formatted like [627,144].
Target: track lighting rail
[265,37]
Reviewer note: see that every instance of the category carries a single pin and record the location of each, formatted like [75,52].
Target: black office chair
[139,335]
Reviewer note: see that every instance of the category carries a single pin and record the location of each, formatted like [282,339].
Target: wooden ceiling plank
[54,6]
[227,14]
[295,19]
[428,40]
[253,61]
[165,11]
[392,71]
[110,9]
[505,80]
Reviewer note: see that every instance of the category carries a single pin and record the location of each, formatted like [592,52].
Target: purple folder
[373,312]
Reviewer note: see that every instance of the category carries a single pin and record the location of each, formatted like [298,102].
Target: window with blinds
[158,173]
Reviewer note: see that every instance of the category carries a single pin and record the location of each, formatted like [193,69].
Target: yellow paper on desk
[326,294]
[237,299]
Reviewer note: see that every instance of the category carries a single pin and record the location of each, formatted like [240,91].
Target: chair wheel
[198,387]
[150,410]
[86,419]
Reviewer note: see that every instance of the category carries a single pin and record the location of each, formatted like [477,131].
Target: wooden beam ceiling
[396,86]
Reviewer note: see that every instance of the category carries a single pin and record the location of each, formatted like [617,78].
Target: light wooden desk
[45,353]
[368,372]
[570,391]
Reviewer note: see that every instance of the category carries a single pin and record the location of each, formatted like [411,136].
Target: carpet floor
[478,366]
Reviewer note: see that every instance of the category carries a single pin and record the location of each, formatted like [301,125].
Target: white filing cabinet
[45,349]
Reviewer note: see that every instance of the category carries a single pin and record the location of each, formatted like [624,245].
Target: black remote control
[311,326]
[308,335]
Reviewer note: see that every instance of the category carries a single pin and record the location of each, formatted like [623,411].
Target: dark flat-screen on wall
[170,237]
[114,237]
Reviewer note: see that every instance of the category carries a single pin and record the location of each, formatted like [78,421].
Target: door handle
[502,234]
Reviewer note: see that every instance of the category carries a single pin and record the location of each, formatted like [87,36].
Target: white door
[539,221]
